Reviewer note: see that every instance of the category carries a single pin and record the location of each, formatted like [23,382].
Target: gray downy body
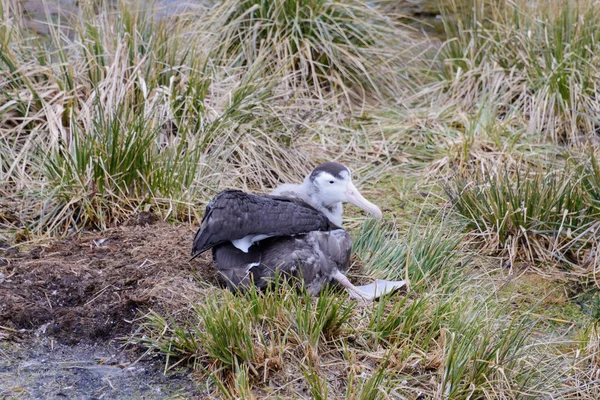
[314,257]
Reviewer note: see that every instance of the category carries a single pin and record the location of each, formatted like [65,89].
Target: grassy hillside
[482,149]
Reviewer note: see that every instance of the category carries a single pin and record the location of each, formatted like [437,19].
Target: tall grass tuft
[317,384]
[413,325]
[422,257]
[323,46]
[545,55]
[375,387]
[249,332]
[482,357]
[516,211]
[321,319]
[119,157]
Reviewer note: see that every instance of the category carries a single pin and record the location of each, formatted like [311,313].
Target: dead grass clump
[545,55]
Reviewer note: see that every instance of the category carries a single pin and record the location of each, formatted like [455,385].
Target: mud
[49,370]
[67,306]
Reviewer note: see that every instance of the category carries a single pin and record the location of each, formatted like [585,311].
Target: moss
[546,298]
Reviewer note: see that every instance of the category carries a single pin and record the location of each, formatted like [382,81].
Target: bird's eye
[332,182]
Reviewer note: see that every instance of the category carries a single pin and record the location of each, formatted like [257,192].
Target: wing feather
[233,215]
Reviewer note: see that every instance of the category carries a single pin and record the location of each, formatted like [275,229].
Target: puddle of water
[46,370]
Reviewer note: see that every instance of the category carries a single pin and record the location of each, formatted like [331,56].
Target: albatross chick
[295,230]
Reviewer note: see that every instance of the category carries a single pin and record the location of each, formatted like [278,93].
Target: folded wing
[233,215]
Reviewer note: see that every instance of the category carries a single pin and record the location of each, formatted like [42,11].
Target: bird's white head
[330,184]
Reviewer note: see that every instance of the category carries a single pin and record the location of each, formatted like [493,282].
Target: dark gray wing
[233,215]
[313,257]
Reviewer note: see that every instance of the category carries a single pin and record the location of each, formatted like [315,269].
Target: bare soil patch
[90,288]
[65,305]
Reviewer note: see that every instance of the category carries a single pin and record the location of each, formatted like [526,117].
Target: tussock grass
[120,117]
[448,340]
[538,60]
[413,325]
[479,359]
[531,214]
[252,332]
[116,158]
[328,47]
[372,388]
[421,257]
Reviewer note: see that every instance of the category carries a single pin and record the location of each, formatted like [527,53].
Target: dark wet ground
[46,369]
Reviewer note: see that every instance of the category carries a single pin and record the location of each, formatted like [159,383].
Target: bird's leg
[341,278]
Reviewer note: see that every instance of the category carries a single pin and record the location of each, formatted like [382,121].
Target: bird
[295,230]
